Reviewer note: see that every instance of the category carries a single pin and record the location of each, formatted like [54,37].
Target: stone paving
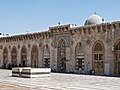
[58,81]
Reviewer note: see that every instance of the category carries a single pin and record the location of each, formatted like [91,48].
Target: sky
[20,16]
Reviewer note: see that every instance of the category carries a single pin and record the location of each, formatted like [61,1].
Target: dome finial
[95,13]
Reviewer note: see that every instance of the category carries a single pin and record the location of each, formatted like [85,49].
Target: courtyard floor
[58,81]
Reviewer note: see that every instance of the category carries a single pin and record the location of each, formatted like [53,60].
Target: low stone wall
[30,72]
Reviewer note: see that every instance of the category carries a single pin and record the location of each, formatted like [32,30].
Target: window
[95,56]
[80,63]
[100,56]
[46,62]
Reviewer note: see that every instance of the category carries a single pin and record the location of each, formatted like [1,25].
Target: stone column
[68,64]
[29,56]
[40,64]
[108,57]
[72,58]
[51,57]
[55,57]
[9,56]
[18,56]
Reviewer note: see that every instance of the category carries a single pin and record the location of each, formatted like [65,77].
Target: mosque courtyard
[58,81]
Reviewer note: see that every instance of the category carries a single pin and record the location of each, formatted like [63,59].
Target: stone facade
[66,49]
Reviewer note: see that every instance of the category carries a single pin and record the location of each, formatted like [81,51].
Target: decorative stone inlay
[108,40]
[47,41]
[64,37]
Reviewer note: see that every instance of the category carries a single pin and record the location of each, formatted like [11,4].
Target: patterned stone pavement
[58,81]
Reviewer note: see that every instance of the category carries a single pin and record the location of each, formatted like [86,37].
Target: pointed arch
[34,56]
[61,62]
[78,48]
[46,56]
[98,47]
[23,54]
[117,45]
[5,57]
[14,56]
[79,57]
[61,43]
[46,49]
[98,57]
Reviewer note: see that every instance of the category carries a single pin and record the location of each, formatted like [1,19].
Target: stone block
[29,72]
[16,72]
[35,72]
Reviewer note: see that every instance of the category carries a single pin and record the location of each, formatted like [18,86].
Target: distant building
[92,47]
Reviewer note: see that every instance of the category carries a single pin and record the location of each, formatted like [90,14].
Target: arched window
[14,56]
[23,56]
[98,58]
[79,57]
[5,57]
[34,56]
[61,56]
[116,56]
[46,56]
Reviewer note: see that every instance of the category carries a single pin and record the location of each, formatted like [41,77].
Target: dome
[94,19]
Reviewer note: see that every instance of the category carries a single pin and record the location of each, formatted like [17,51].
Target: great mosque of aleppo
[67,48]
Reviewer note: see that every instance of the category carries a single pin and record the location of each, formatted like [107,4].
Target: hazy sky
[19,16]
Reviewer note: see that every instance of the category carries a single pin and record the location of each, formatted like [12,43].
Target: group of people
[10,66]
[92,72]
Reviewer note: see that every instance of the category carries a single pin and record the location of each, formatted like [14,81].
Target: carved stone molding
[108,40]
[64,37]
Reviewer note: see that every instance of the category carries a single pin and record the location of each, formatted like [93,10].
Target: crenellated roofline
[22,37]
[63,28]
[97,28]
[59,28]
